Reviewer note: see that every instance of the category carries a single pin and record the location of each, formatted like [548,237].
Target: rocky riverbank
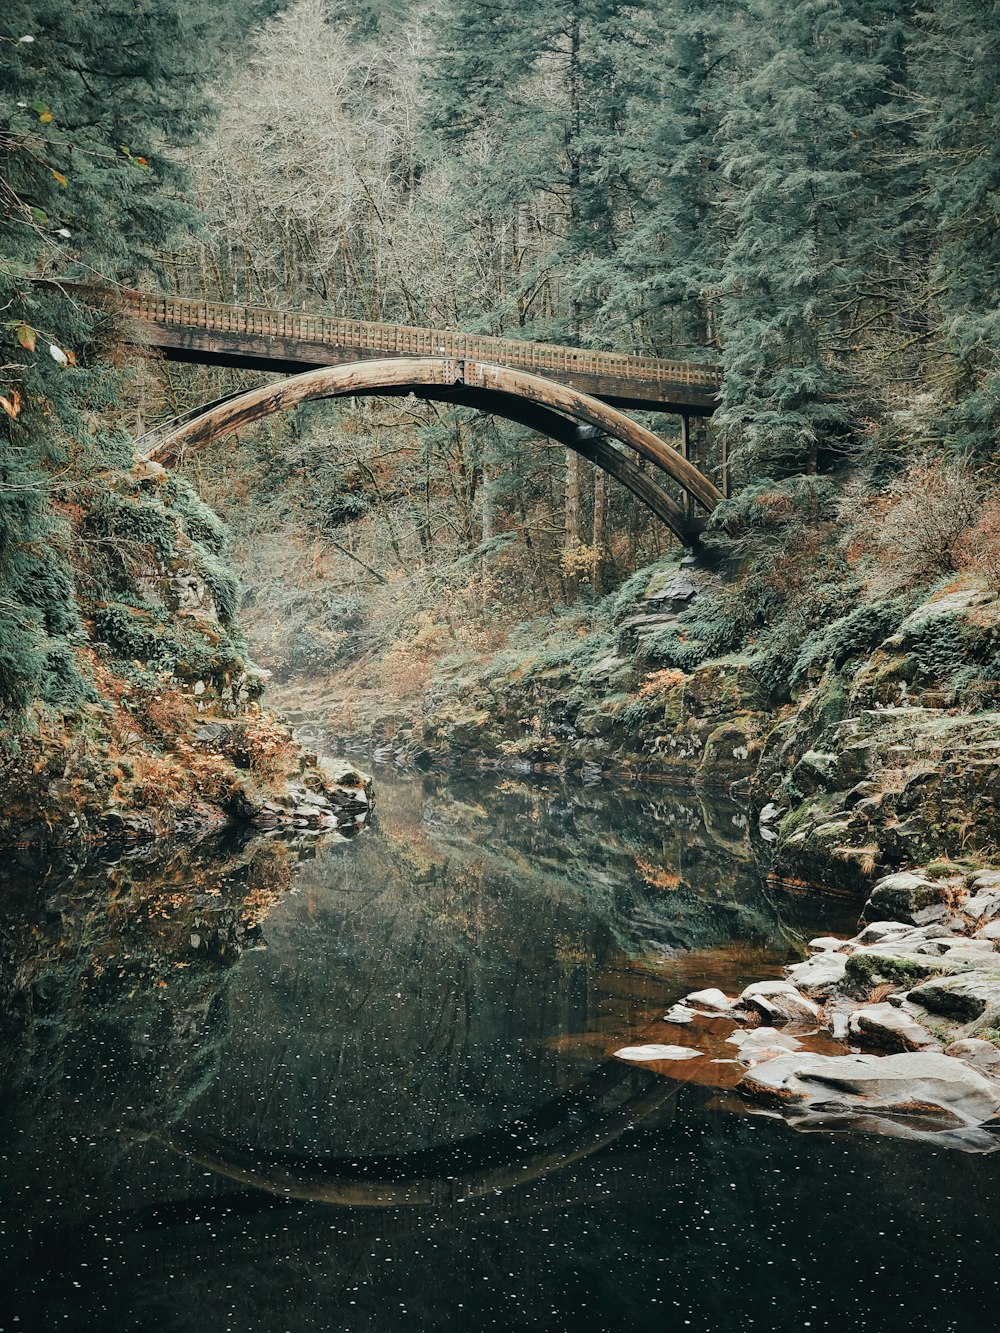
[874,749]
[893,1031]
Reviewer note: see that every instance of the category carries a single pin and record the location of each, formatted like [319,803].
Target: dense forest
[803,194]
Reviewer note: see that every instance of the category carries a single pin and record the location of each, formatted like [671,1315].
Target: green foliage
[125,521]
[851,636]
[94,104]
[711,627]
[769,504]
[162,646]
[225,586]
[200,523]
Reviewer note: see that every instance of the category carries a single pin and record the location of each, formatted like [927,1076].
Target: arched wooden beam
[476,384]
[586,440]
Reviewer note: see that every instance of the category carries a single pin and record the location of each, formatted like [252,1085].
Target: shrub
[978,548]
[200,523]
[853,635]
[917,532]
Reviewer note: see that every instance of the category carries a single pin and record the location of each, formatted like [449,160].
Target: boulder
[819,974]
[983,907]
[921,1083]
[878,932]
[779,1001]
[679,1013]
[654,1051]
[830,944]
[956,946]
[710,999]
[761,1044]
[963,998]
[902,894]
[982,1054]
[900,963]
[887,1027]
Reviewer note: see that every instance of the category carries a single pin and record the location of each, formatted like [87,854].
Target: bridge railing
[405,340]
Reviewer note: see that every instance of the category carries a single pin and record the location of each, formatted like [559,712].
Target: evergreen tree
[797,140]
[957,63]
[93,98]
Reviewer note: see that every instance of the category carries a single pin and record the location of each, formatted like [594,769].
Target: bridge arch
[559,411]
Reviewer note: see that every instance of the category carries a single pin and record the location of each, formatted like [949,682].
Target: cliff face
[171,734]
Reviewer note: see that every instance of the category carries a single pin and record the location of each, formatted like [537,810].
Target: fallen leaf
[12,405]
[26,336]
[59,177]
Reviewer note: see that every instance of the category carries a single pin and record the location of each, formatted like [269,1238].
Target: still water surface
[400,1108]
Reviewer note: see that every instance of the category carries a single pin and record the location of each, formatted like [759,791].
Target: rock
[974,1051]
[815,771]
[680,1013]
[820,974]
[990,932]
[919,1082]
[779,1000]
[984,907]
[936,912]
[770,814]
[830,944]
[879,931]
[902,894]
[711,999]
[889,1028]
[900,963]
[961,997]
[954,946]
[654,1051]
[839,1027]
[761,1044]
[985,881]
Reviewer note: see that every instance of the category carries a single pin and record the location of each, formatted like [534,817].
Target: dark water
[403,1112]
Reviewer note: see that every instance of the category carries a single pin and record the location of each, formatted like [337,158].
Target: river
[369,1084]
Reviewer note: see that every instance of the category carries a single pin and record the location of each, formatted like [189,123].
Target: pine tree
[797,138]
[957,63]
[88,191]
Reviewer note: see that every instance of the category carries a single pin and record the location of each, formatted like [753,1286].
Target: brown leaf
[12,405]
[26,336]
[59,177]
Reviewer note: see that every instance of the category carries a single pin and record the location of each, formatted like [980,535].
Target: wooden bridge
[571,395]
[210,333]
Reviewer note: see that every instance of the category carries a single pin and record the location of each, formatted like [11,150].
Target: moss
[863,967]
[201,524]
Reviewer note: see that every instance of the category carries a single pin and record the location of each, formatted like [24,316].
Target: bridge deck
[212,333]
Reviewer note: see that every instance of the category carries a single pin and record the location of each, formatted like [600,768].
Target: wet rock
[779,1001]
[889,1028]
[902,894]
[759,1045]
[919,1083]
[711,999]
[963,997]
[680,1013]
[654,1051]
[819,974]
